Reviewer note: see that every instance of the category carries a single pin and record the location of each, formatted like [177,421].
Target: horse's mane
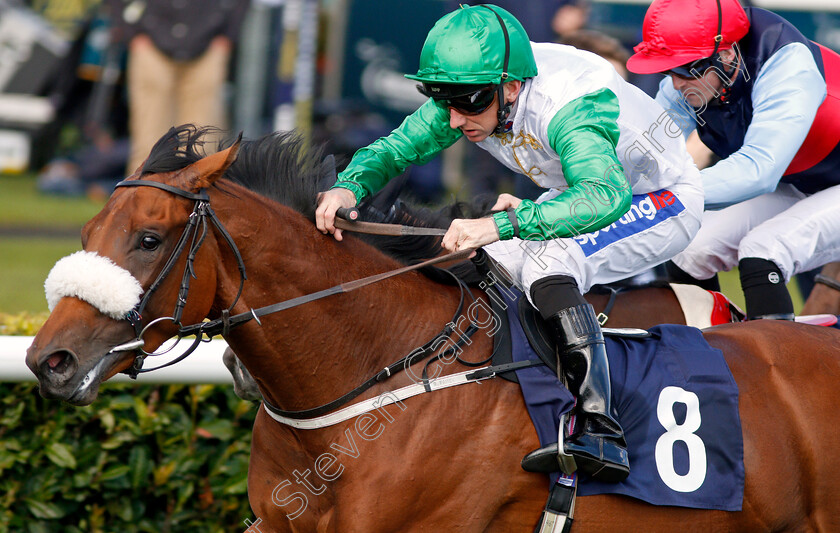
[282,167]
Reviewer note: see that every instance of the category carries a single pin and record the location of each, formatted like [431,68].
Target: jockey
[622,195]
[766,100]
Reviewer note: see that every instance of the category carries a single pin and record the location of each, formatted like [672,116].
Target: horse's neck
[308,355]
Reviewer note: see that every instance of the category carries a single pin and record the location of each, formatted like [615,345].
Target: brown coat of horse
[445,461]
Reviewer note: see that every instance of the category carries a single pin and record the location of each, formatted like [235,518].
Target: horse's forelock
[177,148]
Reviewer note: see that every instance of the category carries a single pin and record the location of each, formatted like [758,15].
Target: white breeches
[797,232]
[655,229]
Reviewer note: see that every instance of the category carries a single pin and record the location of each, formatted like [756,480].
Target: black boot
[597,442]
[765,293]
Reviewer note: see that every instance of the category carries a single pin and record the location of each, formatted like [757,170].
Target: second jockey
[766,100]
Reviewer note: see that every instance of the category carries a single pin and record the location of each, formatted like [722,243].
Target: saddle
[558,513]
[538,332]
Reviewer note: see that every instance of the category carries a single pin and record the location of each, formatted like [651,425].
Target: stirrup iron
[551,458]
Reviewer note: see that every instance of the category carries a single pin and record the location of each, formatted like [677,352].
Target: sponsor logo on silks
[646,211]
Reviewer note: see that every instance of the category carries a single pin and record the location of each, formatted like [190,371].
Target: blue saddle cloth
[678,405]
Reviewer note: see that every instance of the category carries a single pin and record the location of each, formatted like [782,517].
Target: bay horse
[444,461]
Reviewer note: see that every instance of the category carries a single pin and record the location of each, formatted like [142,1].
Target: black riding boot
[765,293]
[597,443]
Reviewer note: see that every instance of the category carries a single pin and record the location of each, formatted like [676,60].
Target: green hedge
[141,458]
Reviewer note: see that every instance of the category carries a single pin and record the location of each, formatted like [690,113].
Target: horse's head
[134,259]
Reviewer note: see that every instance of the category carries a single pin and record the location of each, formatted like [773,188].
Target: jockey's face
[698,91]
[478,127]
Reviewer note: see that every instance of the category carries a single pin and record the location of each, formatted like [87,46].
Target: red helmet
[677,32]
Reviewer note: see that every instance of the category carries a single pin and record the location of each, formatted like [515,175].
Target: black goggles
[692,70]
[473,102]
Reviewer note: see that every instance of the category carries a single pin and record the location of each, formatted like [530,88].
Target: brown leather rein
[395,230]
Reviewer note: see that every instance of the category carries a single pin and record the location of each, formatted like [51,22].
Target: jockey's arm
[787,93]
[584,134]
[421,136]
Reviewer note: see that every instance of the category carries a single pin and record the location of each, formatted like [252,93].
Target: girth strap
[364,406]
[559,509]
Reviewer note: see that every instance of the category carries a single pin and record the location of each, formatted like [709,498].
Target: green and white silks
[577,129]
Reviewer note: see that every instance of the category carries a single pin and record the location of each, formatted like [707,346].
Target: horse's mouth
[88,388]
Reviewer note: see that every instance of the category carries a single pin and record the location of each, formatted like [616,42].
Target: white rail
[204,366]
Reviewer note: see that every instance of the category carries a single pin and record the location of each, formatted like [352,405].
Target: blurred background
[73,75]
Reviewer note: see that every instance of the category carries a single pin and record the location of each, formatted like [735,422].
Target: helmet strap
[504,106]
[715,57]
[504,110]
[719,35]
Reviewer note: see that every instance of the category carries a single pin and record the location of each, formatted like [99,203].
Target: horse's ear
[204,172]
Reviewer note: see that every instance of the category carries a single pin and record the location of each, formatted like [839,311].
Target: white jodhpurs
[657,226]
[796,232]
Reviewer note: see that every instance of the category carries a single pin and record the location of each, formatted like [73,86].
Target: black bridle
[194,234]
[196,231]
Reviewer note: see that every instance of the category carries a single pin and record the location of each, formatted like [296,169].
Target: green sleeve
[584,133]
[421,136]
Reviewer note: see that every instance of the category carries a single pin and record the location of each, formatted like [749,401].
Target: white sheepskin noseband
[96,280]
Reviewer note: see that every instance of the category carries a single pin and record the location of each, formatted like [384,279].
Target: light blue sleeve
[677,108]
[786,95]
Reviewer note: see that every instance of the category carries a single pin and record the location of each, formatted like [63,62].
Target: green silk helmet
[471,48]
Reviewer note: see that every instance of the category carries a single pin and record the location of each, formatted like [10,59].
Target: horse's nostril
[56,359]
[58,362]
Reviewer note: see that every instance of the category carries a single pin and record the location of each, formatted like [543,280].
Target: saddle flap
[539,333]
[502,342]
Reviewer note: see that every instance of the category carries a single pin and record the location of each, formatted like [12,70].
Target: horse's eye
[149,242]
